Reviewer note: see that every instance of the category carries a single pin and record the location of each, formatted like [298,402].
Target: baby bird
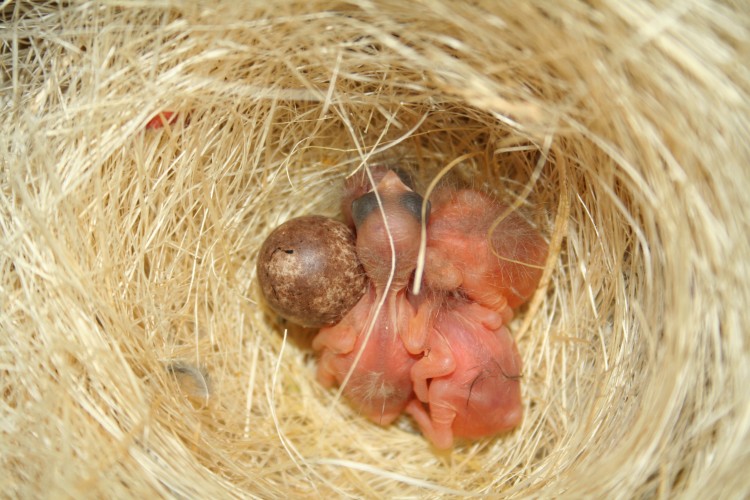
[469,375]
[359,184]
[380,385]
[467,382]
[499,271]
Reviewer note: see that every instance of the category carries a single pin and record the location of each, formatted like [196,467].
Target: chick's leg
[327,373]
[438,428]
[438,361]
[416,333]
[339,339]
[488,318]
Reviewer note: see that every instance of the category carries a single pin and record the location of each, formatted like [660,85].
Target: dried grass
[136,359]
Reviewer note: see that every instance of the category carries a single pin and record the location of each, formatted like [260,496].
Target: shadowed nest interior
[137,357]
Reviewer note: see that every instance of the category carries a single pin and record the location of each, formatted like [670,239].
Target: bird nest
[149,148]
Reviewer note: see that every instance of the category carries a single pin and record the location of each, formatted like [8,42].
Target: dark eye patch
[412,202]
[405,177]
[363,206]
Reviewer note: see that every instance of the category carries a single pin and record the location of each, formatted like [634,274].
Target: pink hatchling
[380,385]
[500,270]
[358,185]
[467,382]
[469,375]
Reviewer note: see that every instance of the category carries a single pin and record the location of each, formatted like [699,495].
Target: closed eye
[363,206]
[412,202]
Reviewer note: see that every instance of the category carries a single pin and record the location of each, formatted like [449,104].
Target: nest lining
[139,358]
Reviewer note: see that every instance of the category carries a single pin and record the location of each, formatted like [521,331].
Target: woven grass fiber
[137,358]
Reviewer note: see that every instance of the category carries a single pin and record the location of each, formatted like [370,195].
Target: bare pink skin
[380,385]
[460,254]
[373,242]
[468,377]
[358,185]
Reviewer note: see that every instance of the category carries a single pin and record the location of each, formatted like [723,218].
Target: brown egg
[309,271]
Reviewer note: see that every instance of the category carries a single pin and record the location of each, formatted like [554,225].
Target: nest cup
[138,358]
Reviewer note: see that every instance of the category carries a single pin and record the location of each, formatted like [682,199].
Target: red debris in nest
[158,121]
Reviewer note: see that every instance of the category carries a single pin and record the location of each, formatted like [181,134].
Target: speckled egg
[309,271]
